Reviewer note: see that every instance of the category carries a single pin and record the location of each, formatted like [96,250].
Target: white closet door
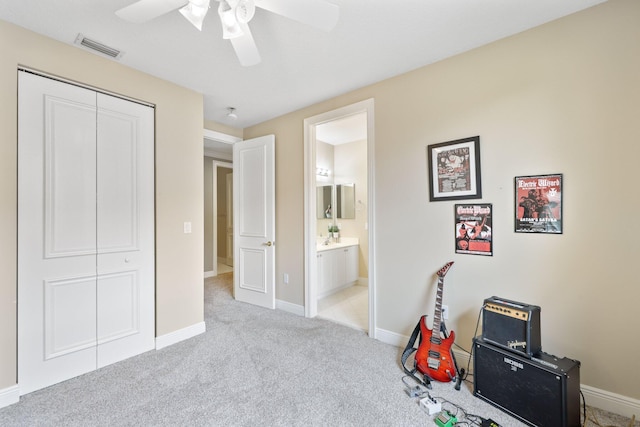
[85,232]
[56,232]
[126,321]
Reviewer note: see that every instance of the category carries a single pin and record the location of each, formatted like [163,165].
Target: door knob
[269,243]
[127,260]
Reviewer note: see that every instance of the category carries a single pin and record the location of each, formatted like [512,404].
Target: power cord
[470,353]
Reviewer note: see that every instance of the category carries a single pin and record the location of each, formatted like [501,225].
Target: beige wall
[178,173]
[561,98]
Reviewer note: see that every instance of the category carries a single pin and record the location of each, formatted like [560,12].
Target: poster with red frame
[538,204]
[473,228]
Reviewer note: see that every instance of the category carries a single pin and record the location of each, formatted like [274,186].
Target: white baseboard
[180,335]
[391,338]
[9,396]
[611,402]
[290,307]
[602,399]
[209,274]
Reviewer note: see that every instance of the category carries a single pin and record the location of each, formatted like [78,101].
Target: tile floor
[349,307]
[223,268]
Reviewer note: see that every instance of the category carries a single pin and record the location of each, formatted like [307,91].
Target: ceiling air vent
[98,47]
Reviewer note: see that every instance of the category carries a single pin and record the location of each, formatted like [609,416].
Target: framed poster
[473,228]
[538,204]
[454,170]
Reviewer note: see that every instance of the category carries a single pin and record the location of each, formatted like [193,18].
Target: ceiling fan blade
[317,13]
[246,48]
[145,10]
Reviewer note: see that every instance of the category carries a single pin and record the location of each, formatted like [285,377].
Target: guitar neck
[437,315]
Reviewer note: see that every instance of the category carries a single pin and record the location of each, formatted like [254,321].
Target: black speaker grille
[536,394]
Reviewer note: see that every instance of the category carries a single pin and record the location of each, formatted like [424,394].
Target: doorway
[218,202]
[222,217]
[328,278]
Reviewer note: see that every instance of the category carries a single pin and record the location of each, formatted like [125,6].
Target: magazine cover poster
[538,204]
[474,229]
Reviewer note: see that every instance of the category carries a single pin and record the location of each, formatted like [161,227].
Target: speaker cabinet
[542,391]
[512,325]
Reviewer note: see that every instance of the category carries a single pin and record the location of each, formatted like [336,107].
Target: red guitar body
[433,357]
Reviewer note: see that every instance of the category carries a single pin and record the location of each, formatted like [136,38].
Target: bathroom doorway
[339,277]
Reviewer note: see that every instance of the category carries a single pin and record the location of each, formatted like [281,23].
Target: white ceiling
[373,40]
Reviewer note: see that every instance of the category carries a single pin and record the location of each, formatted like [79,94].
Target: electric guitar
[434,358]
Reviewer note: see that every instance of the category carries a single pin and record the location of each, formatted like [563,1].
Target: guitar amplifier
[542,391]
[512,325]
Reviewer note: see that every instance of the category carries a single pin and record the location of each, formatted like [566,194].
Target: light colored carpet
[252,367]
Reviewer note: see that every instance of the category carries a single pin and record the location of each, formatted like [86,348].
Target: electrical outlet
[445,312]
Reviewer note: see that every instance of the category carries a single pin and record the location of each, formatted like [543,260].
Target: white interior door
[85,276]
[254,227]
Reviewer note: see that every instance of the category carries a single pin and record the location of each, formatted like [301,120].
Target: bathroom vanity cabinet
[338,268]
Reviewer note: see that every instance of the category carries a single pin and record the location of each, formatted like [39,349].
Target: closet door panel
[70,183]
[119,298]
[56,232]
[68,327]
[126,272]
[118,215]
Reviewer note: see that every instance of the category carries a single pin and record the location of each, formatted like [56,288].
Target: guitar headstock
[443,270]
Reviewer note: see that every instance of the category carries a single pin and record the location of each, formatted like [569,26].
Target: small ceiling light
[232,113]
[195,12]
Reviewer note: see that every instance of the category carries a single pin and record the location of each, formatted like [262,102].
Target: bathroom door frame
[310,261]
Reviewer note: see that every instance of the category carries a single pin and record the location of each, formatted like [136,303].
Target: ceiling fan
[235,16]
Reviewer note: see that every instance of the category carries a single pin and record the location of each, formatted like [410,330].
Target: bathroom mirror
[323,201]
[346,201]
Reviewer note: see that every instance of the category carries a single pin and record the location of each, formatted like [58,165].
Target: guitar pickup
[433,363]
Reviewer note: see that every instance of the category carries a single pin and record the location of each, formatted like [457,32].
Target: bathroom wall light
[322,172]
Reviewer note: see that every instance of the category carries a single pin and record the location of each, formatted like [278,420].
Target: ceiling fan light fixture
[195,12]
[245,10]
[230,26]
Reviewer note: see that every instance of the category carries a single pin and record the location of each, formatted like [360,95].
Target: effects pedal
[489,423]
[416,391]
[446,419]
[430,406]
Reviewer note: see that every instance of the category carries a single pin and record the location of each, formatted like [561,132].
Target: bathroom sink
[342,243]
